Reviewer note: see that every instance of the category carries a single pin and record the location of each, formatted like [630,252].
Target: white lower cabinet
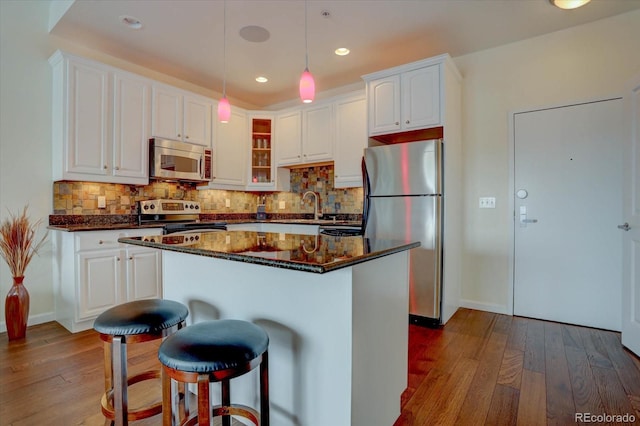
[93,272]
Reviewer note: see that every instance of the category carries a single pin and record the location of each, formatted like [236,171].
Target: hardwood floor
[489,369]
[480,369]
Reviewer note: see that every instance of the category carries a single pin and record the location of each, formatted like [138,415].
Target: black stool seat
[211,346]
[213,351]
[141,317]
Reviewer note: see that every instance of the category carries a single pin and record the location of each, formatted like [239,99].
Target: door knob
[625,226]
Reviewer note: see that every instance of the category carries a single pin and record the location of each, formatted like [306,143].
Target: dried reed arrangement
[17,242]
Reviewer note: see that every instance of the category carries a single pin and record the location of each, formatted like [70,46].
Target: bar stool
[133,322]
[214,351]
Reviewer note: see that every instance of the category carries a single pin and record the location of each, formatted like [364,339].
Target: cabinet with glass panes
[261,171]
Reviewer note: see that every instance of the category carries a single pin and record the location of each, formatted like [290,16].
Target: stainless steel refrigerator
[403,201]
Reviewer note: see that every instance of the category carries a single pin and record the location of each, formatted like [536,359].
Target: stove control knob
[197,237]
[197,207]
[153,206]
[146,207]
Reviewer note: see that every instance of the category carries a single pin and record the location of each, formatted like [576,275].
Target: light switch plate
[487,202]
[227,202]
[102,201]
[281,205]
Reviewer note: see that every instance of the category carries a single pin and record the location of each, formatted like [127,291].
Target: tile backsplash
[81,198]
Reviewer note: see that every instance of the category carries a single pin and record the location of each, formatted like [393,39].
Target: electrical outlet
[487,202]
[227,239]
[281,205]
[102,202]
[227,202]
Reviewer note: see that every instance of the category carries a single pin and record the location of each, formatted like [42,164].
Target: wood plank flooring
[480,369]
[489,369]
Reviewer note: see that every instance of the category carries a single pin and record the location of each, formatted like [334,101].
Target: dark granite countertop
[107,223]
[308,253]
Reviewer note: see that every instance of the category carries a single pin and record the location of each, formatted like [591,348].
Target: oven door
[172,164]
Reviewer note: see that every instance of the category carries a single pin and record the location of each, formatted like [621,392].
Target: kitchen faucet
[316,210]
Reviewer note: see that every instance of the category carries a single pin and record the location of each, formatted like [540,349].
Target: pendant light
[224,108]
[307,85]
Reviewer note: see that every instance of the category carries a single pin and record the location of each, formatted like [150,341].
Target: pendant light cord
[306,45]
[224,52]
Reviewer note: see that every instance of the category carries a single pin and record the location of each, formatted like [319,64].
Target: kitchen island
[335,309]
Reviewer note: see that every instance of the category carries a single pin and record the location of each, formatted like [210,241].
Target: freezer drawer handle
[529,221]
[624,227]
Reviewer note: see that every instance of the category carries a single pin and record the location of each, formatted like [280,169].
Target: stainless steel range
[175,216]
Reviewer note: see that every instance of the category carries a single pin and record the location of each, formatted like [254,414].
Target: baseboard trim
[482,306]
[33,320]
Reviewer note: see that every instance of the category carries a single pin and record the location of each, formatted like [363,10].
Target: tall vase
[16,309]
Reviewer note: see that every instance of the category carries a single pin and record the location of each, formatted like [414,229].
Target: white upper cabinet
[350,140]
[230,152]
[420,94]
[288,140]
[100,122]
[304,135]
[384,107]
[181,115]
[404,98]
[317,133]
[131,126]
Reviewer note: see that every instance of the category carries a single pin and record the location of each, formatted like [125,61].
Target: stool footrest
[233,410]
[107,399]
[237,410]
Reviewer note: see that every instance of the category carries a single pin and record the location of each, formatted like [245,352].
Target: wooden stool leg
[226,402]
[119,358]
[204,401]
[264,389]
[167,398]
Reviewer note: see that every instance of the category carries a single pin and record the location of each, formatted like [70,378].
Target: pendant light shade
[224,110]
[307,85]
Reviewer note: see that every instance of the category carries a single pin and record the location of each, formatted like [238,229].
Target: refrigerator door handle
[366,185]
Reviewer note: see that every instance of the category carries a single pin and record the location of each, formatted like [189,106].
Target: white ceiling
[185,38]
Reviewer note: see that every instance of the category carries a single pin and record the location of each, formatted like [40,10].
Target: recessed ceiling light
[342,51]
[131,22]
[261,79]
[569,4]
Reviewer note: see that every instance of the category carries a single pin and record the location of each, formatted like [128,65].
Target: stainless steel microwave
[174,160]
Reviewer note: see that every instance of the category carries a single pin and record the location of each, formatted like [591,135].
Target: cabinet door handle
[117,168]
[130,257]
[105,167]
[118,258]
[100,242]
[178,134]
[407,122]
[186,137]
[397,123]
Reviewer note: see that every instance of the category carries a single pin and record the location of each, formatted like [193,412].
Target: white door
[631,238]
[568,192]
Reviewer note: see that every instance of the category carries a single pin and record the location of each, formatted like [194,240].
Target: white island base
[338,341]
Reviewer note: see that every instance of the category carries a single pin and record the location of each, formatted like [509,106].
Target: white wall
[585,62]
[25,138]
